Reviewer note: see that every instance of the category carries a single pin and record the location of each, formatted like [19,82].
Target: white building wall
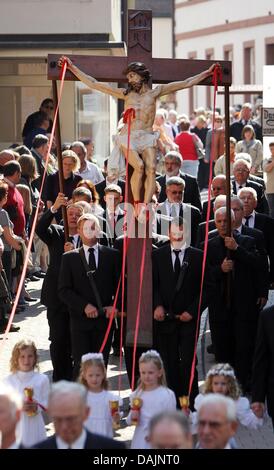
[60,16]
[162,37]
[215,13]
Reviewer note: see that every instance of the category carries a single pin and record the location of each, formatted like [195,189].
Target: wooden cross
[109,69]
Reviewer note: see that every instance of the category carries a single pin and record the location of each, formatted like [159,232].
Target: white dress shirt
[78,444]
[170,206]
[238,186]
[181,254]
[91,172]
[96,252]
[251,220]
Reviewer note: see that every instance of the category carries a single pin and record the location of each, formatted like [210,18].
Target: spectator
[45,107]
[268,167]
[40,126]
[249,144]
[87,169]
[170,430]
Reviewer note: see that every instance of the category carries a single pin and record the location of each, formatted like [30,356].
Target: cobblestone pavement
[33,324]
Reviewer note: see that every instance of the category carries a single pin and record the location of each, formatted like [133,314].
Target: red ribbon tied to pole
[217,75]
[128,115]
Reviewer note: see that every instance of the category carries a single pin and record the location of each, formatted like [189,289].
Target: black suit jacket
[266,225]
[100,188]
[204,211]
[262,205]
[186,210]
[93,441]
[191,194]
[112,235]
[243,289]
[75,290]
[164,288]
[263,361]
[202,231]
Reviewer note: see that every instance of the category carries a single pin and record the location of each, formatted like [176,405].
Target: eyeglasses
[212,424]
[176,192]
[241,170]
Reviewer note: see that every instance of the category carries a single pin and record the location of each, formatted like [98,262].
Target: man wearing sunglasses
[46,107]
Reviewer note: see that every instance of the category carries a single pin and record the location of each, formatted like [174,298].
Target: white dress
[245,415]
[99,420]
[31,429]
[154,402]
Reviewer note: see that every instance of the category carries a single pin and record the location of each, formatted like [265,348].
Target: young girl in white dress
[93,375]
[221,379]
[28,381]
[154,394]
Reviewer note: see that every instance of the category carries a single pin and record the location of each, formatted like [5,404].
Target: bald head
[6,156]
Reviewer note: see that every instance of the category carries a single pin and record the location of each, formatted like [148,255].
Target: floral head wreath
[221,371]
[150,353]
[92,356]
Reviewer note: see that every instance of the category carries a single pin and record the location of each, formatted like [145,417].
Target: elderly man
[235,314]
[245,118]
[175,207]
[173,163]
[89,297]
[170,430]
[68,410]
[241,170]
[6,156]
[10,411]
[261,222]
[218,186]
[87,170]
[217,422]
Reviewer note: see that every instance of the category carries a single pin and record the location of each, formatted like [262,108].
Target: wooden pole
[59,159]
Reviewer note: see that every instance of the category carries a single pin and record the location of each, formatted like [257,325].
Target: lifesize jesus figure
[138,95]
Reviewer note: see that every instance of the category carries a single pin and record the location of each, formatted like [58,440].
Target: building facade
[32,29]
[220,30]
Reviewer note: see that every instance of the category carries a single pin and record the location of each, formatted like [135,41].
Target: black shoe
[30,299]
[13,328]
[210,349]
[34,278]
[39,274]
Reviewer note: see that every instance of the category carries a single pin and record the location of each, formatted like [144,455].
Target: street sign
[268,121]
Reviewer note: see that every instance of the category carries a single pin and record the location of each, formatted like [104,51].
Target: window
[209,55]
[249,65]
[269,51]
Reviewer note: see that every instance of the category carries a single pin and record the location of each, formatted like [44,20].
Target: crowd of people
[81,287]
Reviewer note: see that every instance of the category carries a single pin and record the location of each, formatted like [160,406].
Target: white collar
[95,247]
[78,444]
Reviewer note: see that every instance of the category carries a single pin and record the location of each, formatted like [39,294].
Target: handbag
[200,151]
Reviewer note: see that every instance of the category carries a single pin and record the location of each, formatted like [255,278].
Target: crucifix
[163,71]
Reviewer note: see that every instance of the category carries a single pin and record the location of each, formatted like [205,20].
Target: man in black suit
[263,365]
[89,301]
[111,178]
[259,221]
[57,312]
[173,162]
[219,201]
[246,118]
[218,187]
[67,407]
[113,214]
[241,170]
[235,311]
[175,207]
[177,270]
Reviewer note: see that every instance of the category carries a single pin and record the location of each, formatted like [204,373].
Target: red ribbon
[22,278]
[217,74]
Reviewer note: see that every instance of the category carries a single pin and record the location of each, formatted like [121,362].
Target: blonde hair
[25,193]
[233,388]
[18,347]
[97,362]
[74,157]
[155,358]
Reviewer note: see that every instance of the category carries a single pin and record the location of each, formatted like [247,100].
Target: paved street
[34,326]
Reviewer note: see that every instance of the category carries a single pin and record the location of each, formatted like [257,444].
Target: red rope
[22,278]
[217,74]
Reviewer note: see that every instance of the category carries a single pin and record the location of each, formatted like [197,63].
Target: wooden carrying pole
[59,158]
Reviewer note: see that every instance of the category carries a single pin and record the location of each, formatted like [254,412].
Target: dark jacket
[93,441]
[191,194]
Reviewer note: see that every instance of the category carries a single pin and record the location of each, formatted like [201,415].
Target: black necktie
[177,264]
[91,260]
[240,187]
[247,220]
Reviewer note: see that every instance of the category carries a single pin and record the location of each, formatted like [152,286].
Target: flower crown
[150,353]
[221,371]
[92,356]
